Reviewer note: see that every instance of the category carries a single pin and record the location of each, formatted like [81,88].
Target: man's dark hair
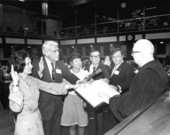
[94,49]
[117,50]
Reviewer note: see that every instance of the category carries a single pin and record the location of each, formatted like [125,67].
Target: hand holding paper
[14,76]
[41,67]
[97,92]
[104,96]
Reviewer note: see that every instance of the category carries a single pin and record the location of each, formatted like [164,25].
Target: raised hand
[14,76]
[15,79]
[41,66]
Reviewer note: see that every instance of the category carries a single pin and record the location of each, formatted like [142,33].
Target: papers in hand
[97,92]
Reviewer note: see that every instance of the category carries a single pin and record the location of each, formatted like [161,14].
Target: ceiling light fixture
[45,8]
[123,5]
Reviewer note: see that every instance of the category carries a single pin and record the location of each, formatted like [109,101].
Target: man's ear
[45,52]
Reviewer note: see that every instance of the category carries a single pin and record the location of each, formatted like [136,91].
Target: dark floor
[6,123]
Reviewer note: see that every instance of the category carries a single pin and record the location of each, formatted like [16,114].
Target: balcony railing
[26,23]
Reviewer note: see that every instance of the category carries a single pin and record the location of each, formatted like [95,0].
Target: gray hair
[47,44]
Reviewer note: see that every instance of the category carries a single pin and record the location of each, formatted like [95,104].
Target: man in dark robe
[149,84]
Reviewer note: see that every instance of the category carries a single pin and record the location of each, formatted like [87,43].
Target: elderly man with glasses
[51,106]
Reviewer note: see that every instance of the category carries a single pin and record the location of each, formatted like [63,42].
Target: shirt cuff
[17,97]
[79,82]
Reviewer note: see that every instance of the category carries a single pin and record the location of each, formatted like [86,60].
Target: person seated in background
[122,72]
[24,94]
[73,109]
[148,84]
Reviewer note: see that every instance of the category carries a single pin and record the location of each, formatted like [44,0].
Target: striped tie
[53,71]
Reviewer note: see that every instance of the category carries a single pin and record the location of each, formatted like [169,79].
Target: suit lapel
[98,66]
[117,69]
[121,65]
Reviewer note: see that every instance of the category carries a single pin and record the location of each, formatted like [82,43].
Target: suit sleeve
[68,75]
[128,76]
[106,72]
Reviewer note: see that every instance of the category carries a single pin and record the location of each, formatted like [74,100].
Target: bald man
[51,106]
[150,82]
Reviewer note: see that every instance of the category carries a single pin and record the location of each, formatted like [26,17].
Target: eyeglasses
[135,52]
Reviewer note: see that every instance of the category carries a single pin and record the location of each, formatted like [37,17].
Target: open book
[96,93]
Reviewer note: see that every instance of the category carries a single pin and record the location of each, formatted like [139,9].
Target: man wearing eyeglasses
[105,75]
[149,83]
[54,71]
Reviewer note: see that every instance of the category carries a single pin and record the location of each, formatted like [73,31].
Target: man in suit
[54,71]
[122,72]
[96,64]
[105,75]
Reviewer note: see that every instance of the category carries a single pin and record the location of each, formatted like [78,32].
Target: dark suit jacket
[124,76]
[48,102]
[104,74]
[149,84]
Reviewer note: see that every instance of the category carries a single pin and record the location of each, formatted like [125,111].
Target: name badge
[58,71]
[116,72]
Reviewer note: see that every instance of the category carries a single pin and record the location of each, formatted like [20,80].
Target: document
[95,93]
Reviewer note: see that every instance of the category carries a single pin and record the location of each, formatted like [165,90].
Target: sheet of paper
[91,92]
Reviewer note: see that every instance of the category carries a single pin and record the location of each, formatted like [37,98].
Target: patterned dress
[25,102]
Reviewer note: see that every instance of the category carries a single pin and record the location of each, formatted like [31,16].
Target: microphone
[87,78]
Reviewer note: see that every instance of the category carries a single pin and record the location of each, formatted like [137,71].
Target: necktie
[53,71]
[94,68]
